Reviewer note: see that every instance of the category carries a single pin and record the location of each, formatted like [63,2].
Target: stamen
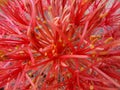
[91,87]
[46,54]
[103,15]
[108,40]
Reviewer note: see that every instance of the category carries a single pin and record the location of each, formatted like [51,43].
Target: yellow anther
[45,53]
[103,15]
[84,1]
[91,46]
[54,46]
[2,56]
[16,47]
[91,87]
[55,54]
[21,52]
[9,50]
[2,2]
[1,52]
[68,75]
[44,22]
[69,39]
[99,59]
[38,18]
[29,63]
[63,44]
[49,8]
[30,74]
[93,37]
[103,53]
[30,87]
[33,80]
[53,51]
[95,40]
[71,53]
[37,27]
[60,40]
[93,54]
[81,68]
[108,40]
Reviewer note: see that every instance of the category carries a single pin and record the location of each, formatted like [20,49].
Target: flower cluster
[60,44]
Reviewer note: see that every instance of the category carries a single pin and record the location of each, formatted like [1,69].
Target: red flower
[60,44]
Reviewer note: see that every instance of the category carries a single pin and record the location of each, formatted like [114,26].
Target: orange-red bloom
[60,44]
